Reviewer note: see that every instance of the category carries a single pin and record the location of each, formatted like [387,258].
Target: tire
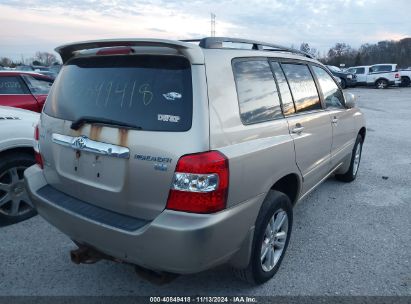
[351,174]
[15,204]
[343,84]
[275,206]
[381,84]
[405,82]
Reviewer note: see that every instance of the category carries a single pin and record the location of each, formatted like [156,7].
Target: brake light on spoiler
[122,50]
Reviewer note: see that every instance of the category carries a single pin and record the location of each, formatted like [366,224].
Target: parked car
[24,68]
[347,79]
[383,75]
[21,89]
[44,71]
[405,77]
[111,176]
[361,73]
[55,70]
[380,76]
[16,154]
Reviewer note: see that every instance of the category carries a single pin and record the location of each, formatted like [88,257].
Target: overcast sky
[28,26]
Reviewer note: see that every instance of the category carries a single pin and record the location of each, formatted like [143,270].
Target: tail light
[200,183]
[397,75]
[37,155]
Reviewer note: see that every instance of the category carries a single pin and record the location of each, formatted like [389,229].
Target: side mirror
[349,100]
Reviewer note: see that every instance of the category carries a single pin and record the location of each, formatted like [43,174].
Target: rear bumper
[176,242]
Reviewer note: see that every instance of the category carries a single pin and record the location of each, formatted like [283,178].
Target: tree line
[40,58]
[398,52]
[341,54]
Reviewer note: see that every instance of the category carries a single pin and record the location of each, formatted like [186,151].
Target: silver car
[178,156]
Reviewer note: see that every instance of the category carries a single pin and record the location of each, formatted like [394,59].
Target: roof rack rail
[217,43]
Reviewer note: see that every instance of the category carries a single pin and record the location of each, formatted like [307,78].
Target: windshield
[152,92]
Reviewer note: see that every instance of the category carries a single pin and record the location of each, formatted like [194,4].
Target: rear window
[152,92]
[11,85]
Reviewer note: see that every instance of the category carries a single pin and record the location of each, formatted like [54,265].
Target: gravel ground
[348,239]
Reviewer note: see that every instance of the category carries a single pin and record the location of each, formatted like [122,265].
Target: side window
[11,85]
[302,87]
[359,71]
[333,96]
[385,68]
[257,93]
[37,86]
[286,98]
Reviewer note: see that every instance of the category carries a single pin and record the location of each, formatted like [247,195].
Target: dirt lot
[348,239]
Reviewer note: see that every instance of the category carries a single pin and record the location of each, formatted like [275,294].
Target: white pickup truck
[379,75]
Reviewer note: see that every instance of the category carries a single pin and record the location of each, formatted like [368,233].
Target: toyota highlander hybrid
[177,156]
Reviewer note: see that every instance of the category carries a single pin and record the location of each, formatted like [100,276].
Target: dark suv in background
[347,79]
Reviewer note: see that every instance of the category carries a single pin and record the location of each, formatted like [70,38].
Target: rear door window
[333,96]
[302,87]
[257,92]
[12,85]
[152,92]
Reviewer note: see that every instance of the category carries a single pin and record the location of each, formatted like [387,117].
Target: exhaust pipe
[88,255]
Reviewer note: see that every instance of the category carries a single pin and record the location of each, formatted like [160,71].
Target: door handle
[298,129]
[334,120]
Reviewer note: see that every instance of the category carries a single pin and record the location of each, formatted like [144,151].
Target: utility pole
[212,24]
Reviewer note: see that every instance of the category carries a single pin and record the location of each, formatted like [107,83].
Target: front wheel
[271,236]
[381,84]
[351,174]
[15,204]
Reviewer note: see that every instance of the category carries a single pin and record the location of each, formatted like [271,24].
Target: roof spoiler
[68,51]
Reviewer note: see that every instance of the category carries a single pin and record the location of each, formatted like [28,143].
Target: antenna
[212,24]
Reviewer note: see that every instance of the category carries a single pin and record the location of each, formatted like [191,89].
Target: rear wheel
[15,204]
[405,81]
[271,237]
[351,174]
[381,84]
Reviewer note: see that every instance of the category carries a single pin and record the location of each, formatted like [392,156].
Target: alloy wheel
[14,200]
[274,240]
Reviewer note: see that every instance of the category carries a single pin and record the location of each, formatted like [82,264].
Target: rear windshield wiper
[75,125]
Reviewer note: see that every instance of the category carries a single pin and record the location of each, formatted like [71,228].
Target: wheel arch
[290,185]
[23,149]
[381,78]
[363,132]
